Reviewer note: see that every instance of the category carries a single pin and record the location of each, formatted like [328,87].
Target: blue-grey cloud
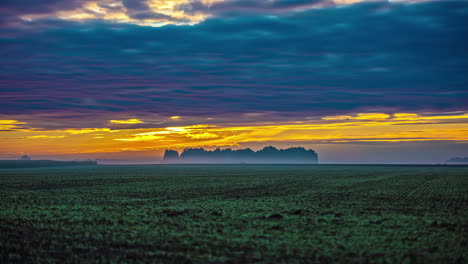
[365,57]
[140,10]
[37,6]
[236,7]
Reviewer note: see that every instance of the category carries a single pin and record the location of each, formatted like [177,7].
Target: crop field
[234,214]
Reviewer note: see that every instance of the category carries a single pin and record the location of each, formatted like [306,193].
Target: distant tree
[25,157]
[170,154]
[193,153]
[269,149]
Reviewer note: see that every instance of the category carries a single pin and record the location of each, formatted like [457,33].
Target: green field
[234,214]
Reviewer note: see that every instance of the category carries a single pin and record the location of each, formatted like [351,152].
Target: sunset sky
[123,80]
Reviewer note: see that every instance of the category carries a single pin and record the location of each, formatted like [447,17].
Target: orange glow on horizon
[360,127]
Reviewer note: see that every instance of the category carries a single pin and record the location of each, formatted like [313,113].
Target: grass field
[236,214]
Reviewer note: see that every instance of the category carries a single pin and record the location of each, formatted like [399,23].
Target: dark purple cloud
[38,6]
[365,57]
[140,10]
[236,7]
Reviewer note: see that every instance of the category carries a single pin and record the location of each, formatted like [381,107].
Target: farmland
[234,213]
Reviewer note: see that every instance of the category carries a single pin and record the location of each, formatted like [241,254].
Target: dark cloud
[365,57]
[11,10]
[236,7]
[37,6]
[135,5]
[138,9]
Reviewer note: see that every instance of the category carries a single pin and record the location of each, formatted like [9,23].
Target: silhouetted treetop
[267,155]
[170,154]
[25,157]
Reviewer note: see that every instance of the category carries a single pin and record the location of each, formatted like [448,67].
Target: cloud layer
[153,12]
[356,58]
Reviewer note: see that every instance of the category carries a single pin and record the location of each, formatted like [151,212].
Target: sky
[123,80]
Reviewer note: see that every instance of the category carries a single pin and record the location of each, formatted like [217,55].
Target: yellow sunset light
[359,127]
[128,121]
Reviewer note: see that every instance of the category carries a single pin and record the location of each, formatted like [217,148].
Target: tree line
[267,155]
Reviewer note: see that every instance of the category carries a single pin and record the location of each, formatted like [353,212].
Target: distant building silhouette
[268,155]
[25,157]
